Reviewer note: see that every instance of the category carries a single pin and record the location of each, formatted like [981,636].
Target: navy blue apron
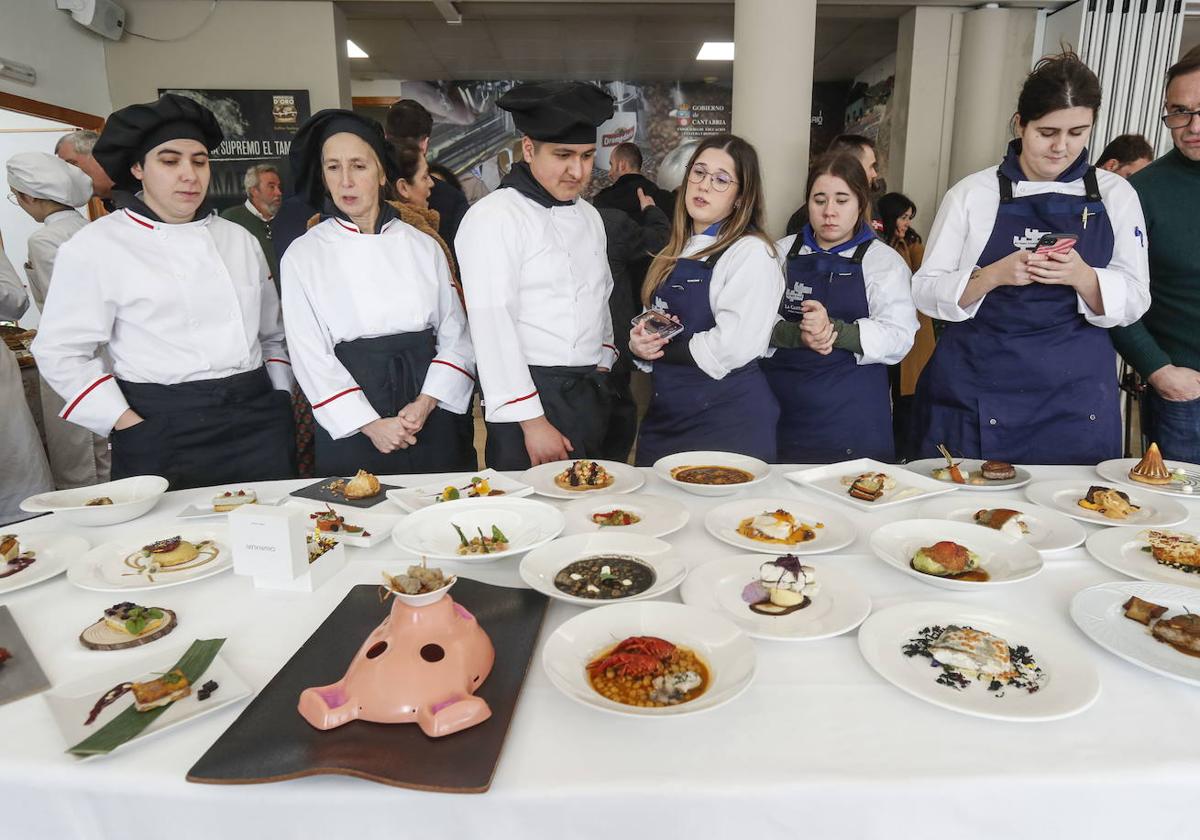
[831,407]
[390,370]
[690,410]
[1028,379]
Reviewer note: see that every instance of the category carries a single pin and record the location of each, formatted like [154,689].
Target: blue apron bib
[690,410]
[1028,379]
[831,407]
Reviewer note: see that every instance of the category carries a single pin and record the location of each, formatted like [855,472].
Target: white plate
[204,510]
[70,704]
[760,469]
[379,526]
[430,531]
[838,607]
[726,650]
[1121,549]
[1049,530]
[1006,559]
[1098,612]
[131,498]
[1071,685]
[660,516]
[836,531]
[1185,487]
[626,479]
[909,485]
[926,466]
[414,498]
[53,554]
[539,566]
[103,569]
[1064,497]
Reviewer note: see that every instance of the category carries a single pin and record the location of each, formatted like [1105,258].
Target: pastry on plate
[362,486]
[1151,469]
[231,499]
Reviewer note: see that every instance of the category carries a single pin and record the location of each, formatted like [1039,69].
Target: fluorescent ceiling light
[716,51]
[353,50]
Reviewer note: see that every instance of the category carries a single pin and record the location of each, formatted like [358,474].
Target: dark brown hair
[1190,63]
[845,166]
[852,143]
[407,153]
[628,152]
[1126,149]
[1058,82]
[408,118]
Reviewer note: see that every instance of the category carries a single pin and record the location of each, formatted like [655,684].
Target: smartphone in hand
[1056,243]
[658,323]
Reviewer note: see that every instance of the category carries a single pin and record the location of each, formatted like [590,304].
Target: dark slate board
[20,676]
[320,492]
[271,742]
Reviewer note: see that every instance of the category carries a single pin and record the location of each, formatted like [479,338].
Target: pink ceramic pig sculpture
[421,664]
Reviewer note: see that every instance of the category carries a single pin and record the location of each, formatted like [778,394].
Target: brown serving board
[271,742]
[320,492]
[166,628]
[20,676]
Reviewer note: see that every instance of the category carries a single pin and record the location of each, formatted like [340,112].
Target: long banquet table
[819,746]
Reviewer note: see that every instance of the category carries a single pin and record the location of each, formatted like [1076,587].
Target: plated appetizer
[230,499]
[160,691]
[1179,551]
[98,501]
[605,578]
[418,580]
[173,554]
[717,476]
[1182,632]
[1110,503]
[12,559]
[648,671]
[318,546]
[127,625]
[615,518]
[950,560]
[950,472]
[1004,520]
[364,485]
[475,489]
[966,656]
[1151,469]
[988,471]
[482,544]
[584,475]
[330,521]
[777,526]
[783,586]
[869,486]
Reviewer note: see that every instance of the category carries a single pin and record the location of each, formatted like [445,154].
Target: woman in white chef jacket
[379,338]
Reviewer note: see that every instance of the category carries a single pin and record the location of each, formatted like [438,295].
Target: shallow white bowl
[132,497]
[760,469]
[1006,559]
[540,566]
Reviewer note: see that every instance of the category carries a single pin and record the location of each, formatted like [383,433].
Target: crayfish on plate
[636,656]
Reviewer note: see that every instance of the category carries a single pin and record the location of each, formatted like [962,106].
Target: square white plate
[378,525]
[413,499]
[910,486]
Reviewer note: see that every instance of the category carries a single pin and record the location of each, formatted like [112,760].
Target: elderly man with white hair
[264,194]
[48,190]
[76,149]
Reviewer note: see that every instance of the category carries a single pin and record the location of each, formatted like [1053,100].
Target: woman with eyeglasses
[1031,263]
[718,278]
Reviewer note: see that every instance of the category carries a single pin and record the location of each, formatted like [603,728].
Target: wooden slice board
[99,637]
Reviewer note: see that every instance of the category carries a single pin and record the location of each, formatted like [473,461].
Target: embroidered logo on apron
[1030,240]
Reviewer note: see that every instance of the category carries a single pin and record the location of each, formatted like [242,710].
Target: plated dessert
[1110,503]
[947,559]
[605,577]
[783,586]
[967,656]
[1151,469]
[230,499]
[127,625]
[711,475]
[173,554]
[12,559]
[584,475]
[1181,632]
[779,527]
[481,544]
[648,671]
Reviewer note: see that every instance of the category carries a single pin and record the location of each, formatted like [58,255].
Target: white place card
[269,543]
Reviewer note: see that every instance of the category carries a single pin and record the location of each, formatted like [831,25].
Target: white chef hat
[40,175]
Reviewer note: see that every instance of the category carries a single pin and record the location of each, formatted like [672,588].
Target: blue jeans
[1175,426]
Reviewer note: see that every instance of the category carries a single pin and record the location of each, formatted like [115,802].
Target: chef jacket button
[1091,416]
[849,451]
[992,422]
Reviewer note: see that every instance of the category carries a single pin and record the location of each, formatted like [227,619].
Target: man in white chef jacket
[536,280]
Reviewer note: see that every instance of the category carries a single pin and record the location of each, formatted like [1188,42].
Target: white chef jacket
[964,225]
[887,333]
[744,294]
[169,303]
[43,247]
[537,283]
[340,285]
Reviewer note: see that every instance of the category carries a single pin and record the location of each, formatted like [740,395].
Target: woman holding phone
[1031,263]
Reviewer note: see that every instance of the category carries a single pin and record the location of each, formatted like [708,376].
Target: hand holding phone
[1056,243]
[658,323]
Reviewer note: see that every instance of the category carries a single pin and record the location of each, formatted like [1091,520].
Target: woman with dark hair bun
[1031,263]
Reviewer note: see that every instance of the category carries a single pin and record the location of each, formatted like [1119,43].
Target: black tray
[271,742]
[321,493]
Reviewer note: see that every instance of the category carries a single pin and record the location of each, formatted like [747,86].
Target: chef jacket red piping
[612,348]
[281,361]
[521,399]
[87,391]
[347,227]
[456,367]
[139,221]
[335,396]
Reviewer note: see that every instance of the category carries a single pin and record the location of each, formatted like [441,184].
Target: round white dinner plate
[761,471]
[626,479]
[104,568]
[970,468]
[131,497]
[1184,485]
[1071,683]
[839,606]
[1127,551]
[726,650]
[430,531]
[1049,530]
[659,515]
[53,554]
[1099,612]
[1064,497]
[539,567]
[833,531]
[1006,559]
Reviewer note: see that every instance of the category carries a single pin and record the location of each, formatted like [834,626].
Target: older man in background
[76,149]
[264,194]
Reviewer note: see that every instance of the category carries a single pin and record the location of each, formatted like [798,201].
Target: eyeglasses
[12,199]
[1179,119]
[720,181]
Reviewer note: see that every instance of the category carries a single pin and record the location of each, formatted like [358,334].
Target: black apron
[233,430]
[390,370]
[576,401]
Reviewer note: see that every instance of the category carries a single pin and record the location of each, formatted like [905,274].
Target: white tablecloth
[819,746]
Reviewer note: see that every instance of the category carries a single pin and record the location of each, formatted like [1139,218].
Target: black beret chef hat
[134,130]
[558,112]
[305,155]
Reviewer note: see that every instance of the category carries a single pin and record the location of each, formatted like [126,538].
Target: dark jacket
[290,223]
[632,240]
[451,205]
[260,230]
[623,195]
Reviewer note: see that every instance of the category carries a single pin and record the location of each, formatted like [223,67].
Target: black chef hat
[305,155]
[132,131]
[558,112]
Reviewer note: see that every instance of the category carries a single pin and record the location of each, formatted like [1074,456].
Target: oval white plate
[726,650]
[838,607]
[836,531]
[539,567]
[759,469]
[926,466]
[1187,487]
[103,568]
[1121,549]
[1071,685]
[53,554]
[1098,612]
[131,497]
[660,516]
[430,531]
[626,479]
[1006,560]
[1049,530]
[1064,497]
